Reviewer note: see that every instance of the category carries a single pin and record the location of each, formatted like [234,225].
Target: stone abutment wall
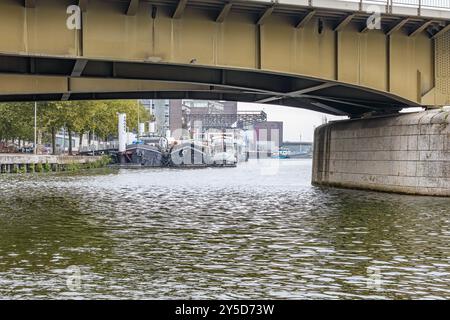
[406,153]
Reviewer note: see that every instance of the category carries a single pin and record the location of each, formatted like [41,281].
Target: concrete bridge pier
[405,153]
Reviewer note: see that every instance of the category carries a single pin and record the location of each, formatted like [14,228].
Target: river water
[256,231]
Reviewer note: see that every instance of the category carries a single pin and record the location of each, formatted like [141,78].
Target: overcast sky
[296,122]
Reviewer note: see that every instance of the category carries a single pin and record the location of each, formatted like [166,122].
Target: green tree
[96,117]
[51,119]
[16,121]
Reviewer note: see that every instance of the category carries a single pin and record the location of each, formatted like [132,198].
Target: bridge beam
[66,96]
[330,109]
[133,7]
[180,9]
[402,67]
[397,26]
[306,18]
[267,13]
[298,93]
[364,29]
[23,85]
[344,22]
[77,70]
[30,3]
[269,85]
[78,67]
[442,31]
[224,12]
[421,28]
[83,4]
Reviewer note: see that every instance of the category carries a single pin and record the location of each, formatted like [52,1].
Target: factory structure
[202,125]
[194,119]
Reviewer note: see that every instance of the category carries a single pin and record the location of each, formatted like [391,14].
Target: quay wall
[405,153]
[13,163]
[17,158]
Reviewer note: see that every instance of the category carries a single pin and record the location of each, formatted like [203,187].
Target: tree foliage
[16,121]
[96,117]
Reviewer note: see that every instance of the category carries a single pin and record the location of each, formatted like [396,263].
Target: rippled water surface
[256,231]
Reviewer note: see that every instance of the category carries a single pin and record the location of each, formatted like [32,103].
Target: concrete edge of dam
[405,153]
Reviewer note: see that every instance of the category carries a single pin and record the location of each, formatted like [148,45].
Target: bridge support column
[406,153]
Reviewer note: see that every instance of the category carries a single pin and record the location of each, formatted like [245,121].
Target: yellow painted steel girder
[20,85]
[412,67]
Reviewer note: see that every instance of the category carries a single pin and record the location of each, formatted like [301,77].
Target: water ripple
[218,233]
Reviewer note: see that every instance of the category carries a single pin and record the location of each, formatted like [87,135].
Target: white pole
[138,120]
[35,127]
[122,132]
[64,139]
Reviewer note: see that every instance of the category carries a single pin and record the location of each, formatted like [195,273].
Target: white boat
[223,151]
[189,154]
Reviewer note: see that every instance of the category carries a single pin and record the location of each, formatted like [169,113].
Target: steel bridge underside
[319,59]
[101,80]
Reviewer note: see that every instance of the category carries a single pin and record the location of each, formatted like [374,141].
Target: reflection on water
[255,231]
